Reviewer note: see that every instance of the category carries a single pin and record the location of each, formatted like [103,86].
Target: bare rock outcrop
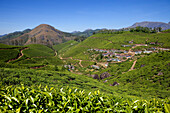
[95,76]
[114,84]
[105,75]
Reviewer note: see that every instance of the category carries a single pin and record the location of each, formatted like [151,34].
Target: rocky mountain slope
[164,26]
[14,34]
[42,34]
[85,33]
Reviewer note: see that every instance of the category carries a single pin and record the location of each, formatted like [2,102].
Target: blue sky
[74,15]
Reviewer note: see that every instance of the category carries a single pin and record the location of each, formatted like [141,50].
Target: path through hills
[19,56]
[55,53]
[132,68]
[80,63]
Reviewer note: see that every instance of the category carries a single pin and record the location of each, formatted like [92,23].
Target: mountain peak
[45,26]
[42,34]
[149,24]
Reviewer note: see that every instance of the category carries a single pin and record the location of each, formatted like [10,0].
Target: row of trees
[146,29]
[108,31]
[137,29]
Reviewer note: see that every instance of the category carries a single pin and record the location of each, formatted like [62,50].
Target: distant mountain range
[42,34]
[3,35]
[48,35]
[85,33]
[90,32]
[164,26]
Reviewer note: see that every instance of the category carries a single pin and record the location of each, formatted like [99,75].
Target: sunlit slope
[115,41]
[62,48]
[150,78]
[56,79]
[8,52]
[36,50]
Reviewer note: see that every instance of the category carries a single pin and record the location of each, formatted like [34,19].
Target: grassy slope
[6,55]
[5,46]
[8,52]
[44,54]
[61,48]
[130,82]
[52,78]
[114,41]
[36,50]
[145,81]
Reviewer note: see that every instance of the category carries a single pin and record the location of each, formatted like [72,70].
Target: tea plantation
[37,78]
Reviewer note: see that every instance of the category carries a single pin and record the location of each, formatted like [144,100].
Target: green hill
[149,81]
[34,55]
[85,33]
[62,48]
[115,41]
[150,78]
[3,46]
[36,50]
[140,76]
[14,35]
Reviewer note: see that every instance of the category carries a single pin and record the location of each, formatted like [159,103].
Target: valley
[127,65]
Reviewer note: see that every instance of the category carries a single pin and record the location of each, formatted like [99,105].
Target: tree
[35,40]
[32,39]
[16,42]
[12,42]
[159,29]
[154,30]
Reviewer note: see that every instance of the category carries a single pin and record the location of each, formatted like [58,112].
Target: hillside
[46,69]
[164,26]
[131,67]
[61,48]
[85,33]
[150,76]
[14,35]
[42,34]
[119,55]
[115,41]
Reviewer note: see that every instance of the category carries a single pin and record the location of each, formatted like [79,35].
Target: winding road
[20,55]
[80,63]
[132,68]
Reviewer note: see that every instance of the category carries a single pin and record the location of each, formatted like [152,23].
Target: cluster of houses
[119,54]
[95,66]
[70,67]
[155,43]
[163,49]
[134,45]
[151,50]
[108,51]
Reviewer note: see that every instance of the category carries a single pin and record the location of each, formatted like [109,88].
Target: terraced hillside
[30,56]
[136,74]
[150,76]
[42,34]
[115,41]
[8,52]
[37,50]
[90,65]
[62,48]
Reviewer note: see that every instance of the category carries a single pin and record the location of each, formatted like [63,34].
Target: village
[118,56]
[102,58]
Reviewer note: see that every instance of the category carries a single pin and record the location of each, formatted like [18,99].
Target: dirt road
[19,56]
